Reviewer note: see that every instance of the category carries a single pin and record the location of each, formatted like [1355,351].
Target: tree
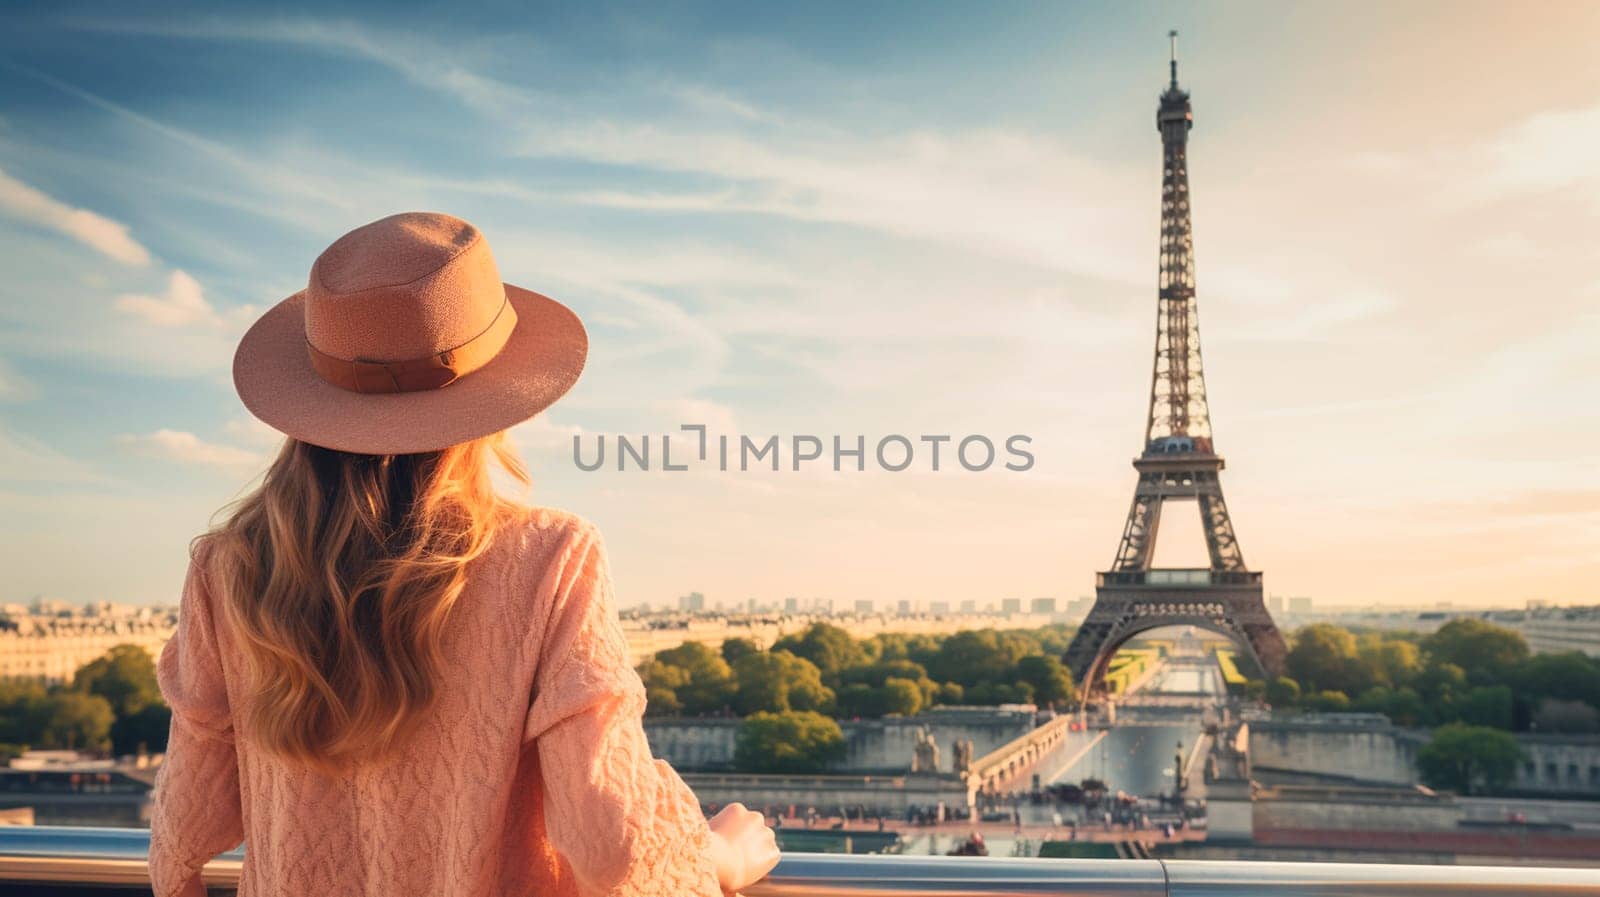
[1469,759]
[900,696]
[144,730]
[1486,652]
[1440,683]
[735,648]
[1051,681]
[661,702]
[875,674]
[1405,707]
[1390,661]
[24,711]
[992,693]
[1486,705]
[1569,677]
[710,684]
[1324,657]
[828,647]
[791,742]
[1283,692]
[661,683]
[971,657]
[77,721]
[777,681]
[125,676]
[951,693]
[855,699]
[1326,701]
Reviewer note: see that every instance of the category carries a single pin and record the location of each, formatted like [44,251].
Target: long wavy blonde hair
[338,574]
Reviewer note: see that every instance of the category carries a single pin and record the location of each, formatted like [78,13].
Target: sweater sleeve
[626,823]
[196,813]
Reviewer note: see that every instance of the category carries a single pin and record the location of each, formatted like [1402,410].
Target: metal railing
[102,857]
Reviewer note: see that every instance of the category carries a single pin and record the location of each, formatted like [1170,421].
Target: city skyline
[918,224]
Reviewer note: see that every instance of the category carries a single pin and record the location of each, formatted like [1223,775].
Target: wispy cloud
[1004,193]
[183,304]
[107,237]
[187,448]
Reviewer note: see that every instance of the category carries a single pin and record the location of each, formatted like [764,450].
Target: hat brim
[542,360]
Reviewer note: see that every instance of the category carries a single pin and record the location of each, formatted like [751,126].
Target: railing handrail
[111,856]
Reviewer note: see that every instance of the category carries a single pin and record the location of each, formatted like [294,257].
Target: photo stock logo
[695,448]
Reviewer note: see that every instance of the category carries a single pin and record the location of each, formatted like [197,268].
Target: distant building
[1010,606]
[1300,606]
[694,602]
[1275,605]
[904,607]
[969,606]
[1080,606]
[791,605]
[52,647]
[1553,630]
[939,607]
[1044,605]
[863,605]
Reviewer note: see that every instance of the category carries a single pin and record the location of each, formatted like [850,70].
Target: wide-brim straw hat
[406,340]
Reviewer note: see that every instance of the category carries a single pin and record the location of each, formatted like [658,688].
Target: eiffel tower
[1179,463]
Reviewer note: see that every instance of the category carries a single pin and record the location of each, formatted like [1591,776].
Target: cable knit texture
[531,775]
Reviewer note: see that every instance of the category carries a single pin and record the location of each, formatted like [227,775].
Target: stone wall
[1565,765]
[1365,747]
[1361,747]
[1353,809]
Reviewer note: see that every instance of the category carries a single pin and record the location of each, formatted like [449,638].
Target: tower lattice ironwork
[1179,463]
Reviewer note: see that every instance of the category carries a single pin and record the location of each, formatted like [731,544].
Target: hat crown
[401,288]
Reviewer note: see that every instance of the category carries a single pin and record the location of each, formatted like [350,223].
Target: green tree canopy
[1440,683]
[1324,658]
[875,674]
[828,647]
[902,696]
[1469,759]
[125,676]
[709,687]
[1389,661]
[1486,705]
[144,730]
[1051,681]
[1568,677]
[1283,692]
[778,681]
[735,648]
[1486,652]
[794,742]
[77,721]
[971,657]
[24,711]
[1326,701]
[988,694]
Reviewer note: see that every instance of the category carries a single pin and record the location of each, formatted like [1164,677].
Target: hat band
[418,374]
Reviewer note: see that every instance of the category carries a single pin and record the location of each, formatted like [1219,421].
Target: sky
[819,219]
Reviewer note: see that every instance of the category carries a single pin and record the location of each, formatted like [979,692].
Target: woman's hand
[743,848]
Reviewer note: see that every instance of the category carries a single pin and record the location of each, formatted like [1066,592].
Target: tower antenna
[1172,36]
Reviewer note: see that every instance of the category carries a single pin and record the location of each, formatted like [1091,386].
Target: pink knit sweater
[531,775]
